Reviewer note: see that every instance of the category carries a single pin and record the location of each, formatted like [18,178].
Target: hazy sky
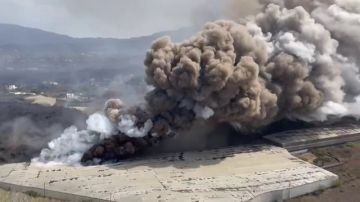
[108,18]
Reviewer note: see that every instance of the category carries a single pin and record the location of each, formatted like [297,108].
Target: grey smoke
[288,61]
[21,138]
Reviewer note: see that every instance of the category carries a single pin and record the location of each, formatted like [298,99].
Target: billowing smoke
[72,143]
[296,59]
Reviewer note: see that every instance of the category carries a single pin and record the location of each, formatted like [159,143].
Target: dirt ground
[343,160]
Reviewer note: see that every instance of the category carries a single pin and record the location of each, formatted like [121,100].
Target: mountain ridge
[16,34]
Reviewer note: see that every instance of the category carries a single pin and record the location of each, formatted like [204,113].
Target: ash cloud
[288,61]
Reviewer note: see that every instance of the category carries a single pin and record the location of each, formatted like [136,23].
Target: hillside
[23,37]
[28,55]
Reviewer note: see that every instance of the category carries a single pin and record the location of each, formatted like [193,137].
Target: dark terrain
[343,160]
[26,128]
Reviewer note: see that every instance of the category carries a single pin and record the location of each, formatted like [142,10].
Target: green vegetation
[29,196]
[353,144]
[32,194]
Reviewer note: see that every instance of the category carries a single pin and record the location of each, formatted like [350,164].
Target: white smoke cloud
[333,109]
[127,125]
[204,112]
[258,35]
[101,124]
[351,5]
[72,143]
[288,43]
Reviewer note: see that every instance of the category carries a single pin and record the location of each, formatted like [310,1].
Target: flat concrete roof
[257,173]
[315,137]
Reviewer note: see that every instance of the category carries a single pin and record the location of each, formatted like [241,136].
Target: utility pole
[290,190]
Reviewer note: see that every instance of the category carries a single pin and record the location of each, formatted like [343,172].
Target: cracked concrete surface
[231,174]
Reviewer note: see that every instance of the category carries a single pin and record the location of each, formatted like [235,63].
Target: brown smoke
[228,70]
[280,63]
[341,19]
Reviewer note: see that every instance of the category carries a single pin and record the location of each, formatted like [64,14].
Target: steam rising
[128,127]
[70,146]
[99,123]
[289,61]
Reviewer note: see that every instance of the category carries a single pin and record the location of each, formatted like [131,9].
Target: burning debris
[289,61]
